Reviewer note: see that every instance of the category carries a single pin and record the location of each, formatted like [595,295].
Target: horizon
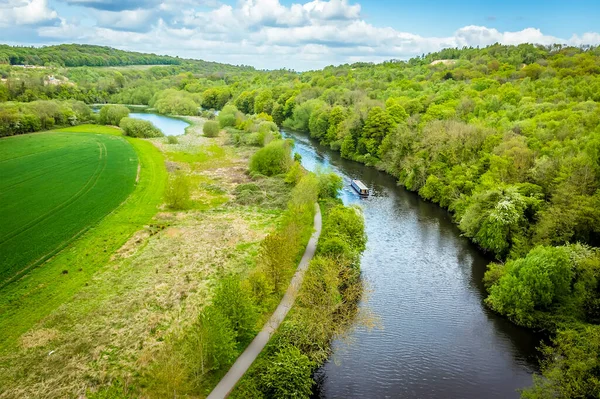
[301,36]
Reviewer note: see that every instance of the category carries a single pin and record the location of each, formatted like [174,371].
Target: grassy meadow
[54,187]
[138,280]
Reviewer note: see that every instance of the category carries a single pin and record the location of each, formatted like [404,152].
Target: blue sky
[297,34]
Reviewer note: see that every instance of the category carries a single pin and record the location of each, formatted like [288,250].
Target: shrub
[139,128]
[172,140]
[288,375]
[274,159]
[177,195]
[211,129]
[228,116]
[112,114]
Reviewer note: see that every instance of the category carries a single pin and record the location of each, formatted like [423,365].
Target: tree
[234,301]
[112,114]
[177,195]
[377,126]
[537,281]
[273,159]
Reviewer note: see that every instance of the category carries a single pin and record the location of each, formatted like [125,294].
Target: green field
[54,186]
[25,302]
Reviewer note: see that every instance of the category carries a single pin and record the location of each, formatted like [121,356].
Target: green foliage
[295,173]
[571,366]
[228,116]
[139,128]
[112,114]
[273,159]
[329,185]
[177,195]
[172,140]
[532,283]
[288,375]
[210,345]
[234,301]
[80,55]
[175,102]
[211,129]
[19,118]
[216,97]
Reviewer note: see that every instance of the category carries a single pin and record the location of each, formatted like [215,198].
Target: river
[436,337]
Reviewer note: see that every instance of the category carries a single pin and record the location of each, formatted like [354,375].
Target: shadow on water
[437,338]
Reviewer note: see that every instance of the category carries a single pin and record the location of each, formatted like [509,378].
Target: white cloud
[25,12]
[268,34]
[135,20]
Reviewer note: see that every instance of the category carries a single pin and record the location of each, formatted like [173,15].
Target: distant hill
[74,55]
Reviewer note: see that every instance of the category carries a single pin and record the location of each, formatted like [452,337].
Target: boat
[360,188]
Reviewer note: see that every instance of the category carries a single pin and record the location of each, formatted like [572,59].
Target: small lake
[169,126]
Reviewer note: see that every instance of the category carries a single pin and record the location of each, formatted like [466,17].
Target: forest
[507,138]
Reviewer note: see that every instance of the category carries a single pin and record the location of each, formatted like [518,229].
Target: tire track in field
[42,152]
[44,171]
[84,190]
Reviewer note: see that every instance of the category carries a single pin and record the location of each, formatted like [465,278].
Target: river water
[436,338]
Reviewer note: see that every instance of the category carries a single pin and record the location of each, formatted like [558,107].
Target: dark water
[169,126]
[437,339]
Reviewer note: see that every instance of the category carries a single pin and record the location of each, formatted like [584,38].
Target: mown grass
[25,302]
[54,187]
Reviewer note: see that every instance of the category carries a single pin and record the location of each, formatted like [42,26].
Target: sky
[298,34]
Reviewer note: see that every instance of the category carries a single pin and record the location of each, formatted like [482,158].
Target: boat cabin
[360,188]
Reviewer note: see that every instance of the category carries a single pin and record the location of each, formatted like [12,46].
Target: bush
[288,375]
[112,114]
[139,128]
[274,159]
[172,140]
[211,129]
[177,195]
[228,116]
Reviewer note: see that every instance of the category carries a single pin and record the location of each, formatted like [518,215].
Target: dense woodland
[507,138]
[75,55]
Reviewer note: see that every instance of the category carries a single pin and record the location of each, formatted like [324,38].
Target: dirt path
[243,363]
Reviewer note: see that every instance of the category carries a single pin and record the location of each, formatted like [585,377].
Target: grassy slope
[27,301]
[56,186]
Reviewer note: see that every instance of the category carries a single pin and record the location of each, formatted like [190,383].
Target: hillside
[74,55]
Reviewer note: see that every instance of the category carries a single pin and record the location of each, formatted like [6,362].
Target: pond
[437,339]
[169,126]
